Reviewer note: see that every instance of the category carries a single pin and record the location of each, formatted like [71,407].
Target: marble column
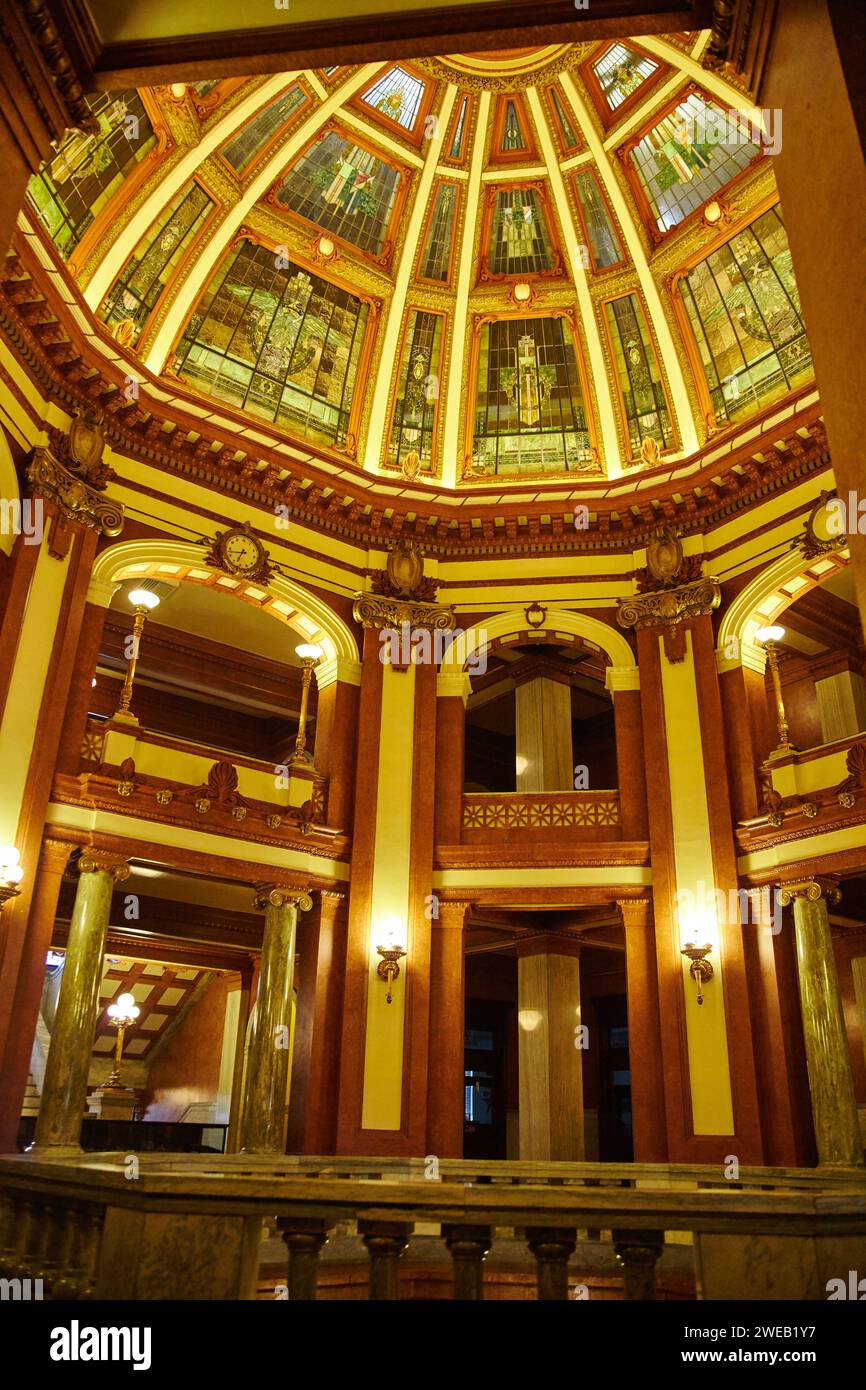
[64,1091]
[269,1052]
[445,1102]
[543,727]
[550,1062]
[831,1082]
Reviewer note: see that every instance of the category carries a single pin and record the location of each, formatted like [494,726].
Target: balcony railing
[549,817]
[190,1226]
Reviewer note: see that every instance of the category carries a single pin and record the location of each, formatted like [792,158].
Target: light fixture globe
[771,633]
[143,598]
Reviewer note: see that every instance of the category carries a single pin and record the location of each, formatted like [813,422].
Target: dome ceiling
[563,262]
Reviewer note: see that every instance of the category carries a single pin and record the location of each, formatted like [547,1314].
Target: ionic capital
[273,895]
[809,890]
[101,861]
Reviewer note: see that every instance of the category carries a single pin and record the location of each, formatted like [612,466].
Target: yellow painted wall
[709,1073]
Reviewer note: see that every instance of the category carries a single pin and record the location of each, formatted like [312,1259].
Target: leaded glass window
[512,134]
[149,268]
[688,156]
[251,140]
[414,419]
[565,124]
[397,95]
[744,309]
[643,397]
[530,415]
[519,238]
[279,342]
[621,71]
[436,254]
[456,147]
[604,244]
[344,189]
[75,184]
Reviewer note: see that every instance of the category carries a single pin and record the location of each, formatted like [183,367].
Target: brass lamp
[142,600]
[768,637]
[11,873]
[309,653]
[700,969]
[122,1014]
[392,952]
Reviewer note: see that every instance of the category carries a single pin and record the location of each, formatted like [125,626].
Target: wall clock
[240,552]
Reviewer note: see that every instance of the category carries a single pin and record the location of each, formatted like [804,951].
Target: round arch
[285,600]
[469,646]
[765,598]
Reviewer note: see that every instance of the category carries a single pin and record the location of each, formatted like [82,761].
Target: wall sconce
[768,637]
[11,873]
[700,969]
[392,952]
[142,600]
[309,653]
[122,1014]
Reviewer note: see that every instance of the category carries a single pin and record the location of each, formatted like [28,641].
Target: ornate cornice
[74,498]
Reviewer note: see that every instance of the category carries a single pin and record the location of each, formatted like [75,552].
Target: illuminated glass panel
[397,95]
[280,343]
[688,156]
[744,308]
[201,89]
[414,416]
[604,245]
[436,255]
[565,124]
[149,268]
[343,188]
[512,135]
[529,410]
[250,141]
[637,369]
[620,71]
[457,140]
[519,238]
[75,184]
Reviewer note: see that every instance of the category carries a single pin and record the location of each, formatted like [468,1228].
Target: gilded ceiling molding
[509,82]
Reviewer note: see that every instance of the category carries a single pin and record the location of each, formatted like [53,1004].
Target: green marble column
[64,1090]
[831,1082]
[268,1056]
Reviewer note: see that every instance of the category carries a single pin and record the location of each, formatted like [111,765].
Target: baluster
[552,1248]
[386,1241]
[469,1246]
[91,1239]
[637,1253]
[305,1238]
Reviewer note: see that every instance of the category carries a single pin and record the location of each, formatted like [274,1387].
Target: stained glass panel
[397,95]
[512,134]
[621,71]
[691,154]
[414,419]
[520,241]
[244,146]
[744,309]
[604,245]
[644,402]
[149,268]
[456,148]
[529,411]
[279,342]
[565,125]
[436,254]
[343,188]
[76,183]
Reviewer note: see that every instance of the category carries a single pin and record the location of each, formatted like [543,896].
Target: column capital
[54,855]
[809,890]
[453,684]
[104,861]
[635,911]
[274,895]
[621,678]
[451,914]
[337,668]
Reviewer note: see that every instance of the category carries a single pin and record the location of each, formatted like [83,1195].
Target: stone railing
[816,789]
[189,1226]
[548,817]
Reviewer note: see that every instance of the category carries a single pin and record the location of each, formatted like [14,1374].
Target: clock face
[241,551]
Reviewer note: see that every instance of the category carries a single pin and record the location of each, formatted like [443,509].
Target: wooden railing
[189,1226]
[549,817]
